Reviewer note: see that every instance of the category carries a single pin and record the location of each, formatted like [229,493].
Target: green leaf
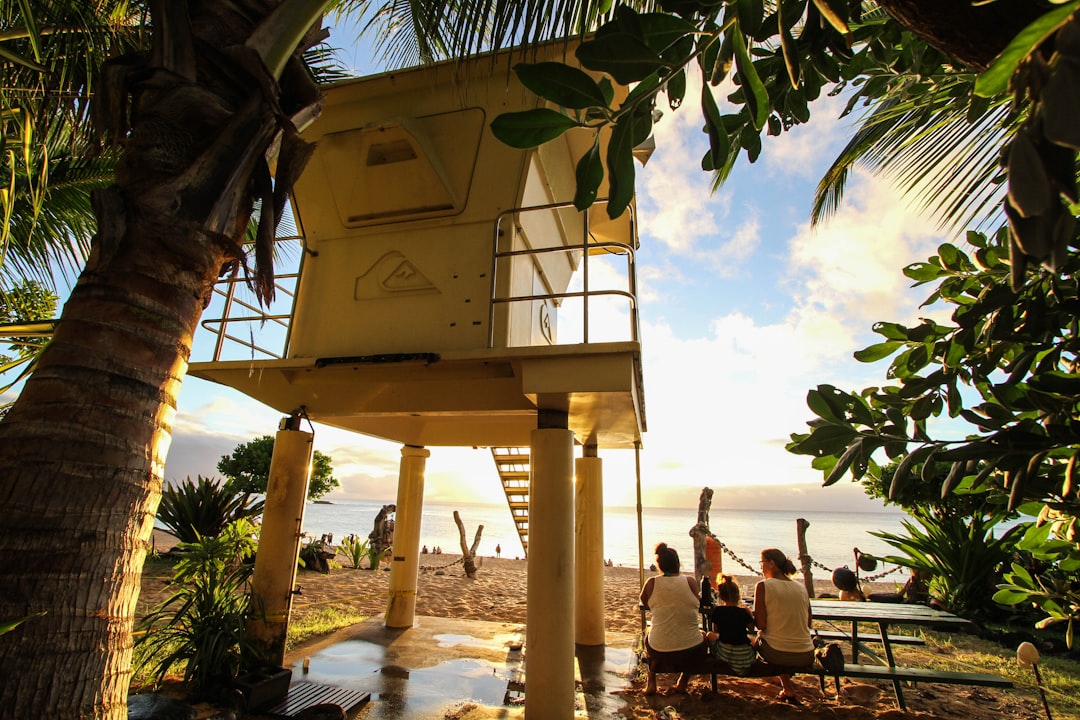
[620,165]
[1010,596]
[750,13]
[661,31]
[719,143]
[757,97]
[832,16]
[676,89]
[530,128]
[844,463]
[995,80]
[620,55]
[562,84]
[590,173]
[878,351]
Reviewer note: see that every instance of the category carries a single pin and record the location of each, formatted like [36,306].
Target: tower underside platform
[462,398]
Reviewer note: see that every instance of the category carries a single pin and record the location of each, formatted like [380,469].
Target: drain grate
[307,694]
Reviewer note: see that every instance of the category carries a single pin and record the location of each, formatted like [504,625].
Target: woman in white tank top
[782,614]
[676,630]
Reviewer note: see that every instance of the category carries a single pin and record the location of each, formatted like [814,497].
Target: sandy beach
[498,593]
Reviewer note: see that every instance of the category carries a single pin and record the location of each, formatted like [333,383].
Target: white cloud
[804,150]
[850,267]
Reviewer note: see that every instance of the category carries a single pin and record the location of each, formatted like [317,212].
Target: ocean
[831,536]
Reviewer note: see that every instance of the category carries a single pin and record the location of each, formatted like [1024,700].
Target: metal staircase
[512,464]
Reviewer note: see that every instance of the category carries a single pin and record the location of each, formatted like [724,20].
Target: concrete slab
[451,668]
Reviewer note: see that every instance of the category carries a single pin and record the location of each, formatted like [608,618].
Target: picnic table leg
[883,628]
[854,642]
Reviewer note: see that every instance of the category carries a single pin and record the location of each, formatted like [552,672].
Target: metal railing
[587,245]
[226,290]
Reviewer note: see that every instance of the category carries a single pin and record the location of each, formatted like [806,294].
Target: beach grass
[321,622]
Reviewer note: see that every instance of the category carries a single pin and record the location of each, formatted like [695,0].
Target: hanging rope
[802,558]
[442,567]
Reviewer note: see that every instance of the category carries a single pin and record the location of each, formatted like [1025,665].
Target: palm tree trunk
[969,33]
[83,449]
[81,457]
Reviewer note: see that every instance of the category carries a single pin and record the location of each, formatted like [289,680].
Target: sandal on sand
[785,696]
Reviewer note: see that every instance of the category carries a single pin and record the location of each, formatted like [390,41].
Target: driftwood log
[381,538]
[468,554]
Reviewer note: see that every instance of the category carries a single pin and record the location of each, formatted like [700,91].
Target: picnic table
[885,615]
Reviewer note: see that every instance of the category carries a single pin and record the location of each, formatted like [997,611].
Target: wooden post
[804,557]
[699,532]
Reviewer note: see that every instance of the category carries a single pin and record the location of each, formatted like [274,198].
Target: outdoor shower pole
[640,536]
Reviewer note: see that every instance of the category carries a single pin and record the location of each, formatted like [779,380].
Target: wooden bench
[714,667]
[871,637]
[911,674]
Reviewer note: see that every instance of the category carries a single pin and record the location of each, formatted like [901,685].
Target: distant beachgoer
[783,617]
[675,635]
[423,550]
[498,551]
[731,624]
[848,584]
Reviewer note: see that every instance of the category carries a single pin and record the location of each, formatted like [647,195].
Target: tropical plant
[201,626]
[355,549]
[1004,374]
[203,507]
[247,468]
[25,311]
[1048,581]
[376,555]
[961,556]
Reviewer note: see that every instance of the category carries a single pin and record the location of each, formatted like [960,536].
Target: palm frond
[921,136]
[412,32]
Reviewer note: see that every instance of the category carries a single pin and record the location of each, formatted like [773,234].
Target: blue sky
[744,308]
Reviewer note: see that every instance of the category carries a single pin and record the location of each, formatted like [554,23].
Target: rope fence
[753,571]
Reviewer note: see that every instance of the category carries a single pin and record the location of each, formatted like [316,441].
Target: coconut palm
[194,117]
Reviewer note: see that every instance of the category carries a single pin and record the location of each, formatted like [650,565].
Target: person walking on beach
[732,623]
[675,635]
[782,614]
[498,551]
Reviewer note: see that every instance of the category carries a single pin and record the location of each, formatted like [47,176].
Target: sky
[743,308]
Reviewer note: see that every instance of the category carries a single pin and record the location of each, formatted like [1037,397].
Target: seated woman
[675,635]
[782,615]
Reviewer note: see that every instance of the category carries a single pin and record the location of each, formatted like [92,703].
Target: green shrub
[202,508]
[961,555]
[201,626]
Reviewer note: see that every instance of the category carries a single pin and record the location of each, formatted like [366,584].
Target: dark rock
[158,707]
[323,711]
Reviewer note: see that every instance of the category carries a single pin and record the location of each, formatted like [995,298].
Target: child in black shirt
[732,623]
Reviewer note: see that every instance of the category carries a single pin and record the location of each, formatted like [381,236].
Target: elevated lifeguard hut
[447,294]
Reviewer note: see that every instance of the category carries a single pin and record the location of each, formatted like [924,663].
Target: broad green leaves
[562,84]
[651,51]
[530,128]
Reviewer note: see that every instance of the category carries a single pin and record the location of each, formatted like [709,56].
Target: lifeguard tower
[447,293]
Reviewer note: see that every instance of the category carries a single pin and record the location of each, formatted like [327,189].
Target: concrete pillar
[401,607]
[274,576]
[549,633]
[589,551]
